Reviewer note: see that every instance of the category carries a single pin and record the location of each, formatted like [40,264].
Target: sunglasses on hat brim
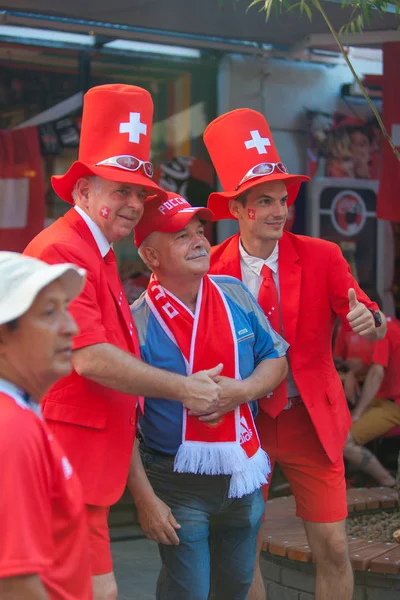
[262,169]
[128,163]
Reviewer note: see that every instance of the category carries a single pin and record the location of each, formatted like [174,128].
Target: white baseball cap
[23,277]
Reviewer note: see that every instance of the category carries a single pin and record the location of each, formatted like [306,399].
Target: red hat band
[244,154]
[115,139]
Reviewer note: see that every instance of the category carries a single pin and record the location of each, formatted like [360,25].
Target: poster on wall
[343,146]
[344,212]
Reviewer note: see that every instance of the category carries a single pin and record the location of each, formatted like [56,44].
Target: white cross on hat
[134,127]
[257,142]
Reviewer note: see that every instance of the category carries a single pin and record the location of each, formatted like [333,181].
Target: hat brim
[218,202]
[64,184]
[179,220]
[71,277]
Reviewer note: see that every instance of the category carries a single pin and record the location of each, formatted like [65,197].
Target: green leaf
[308,11]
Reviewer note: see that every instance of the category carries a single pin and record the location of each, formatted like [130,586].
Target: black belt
[146,448]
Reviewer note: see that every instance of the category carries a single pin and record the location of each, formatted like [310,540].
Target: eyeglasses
[262,169]
[128,163]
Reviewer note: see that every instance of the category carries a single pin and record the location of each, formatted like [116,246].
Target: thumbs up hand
[359,317]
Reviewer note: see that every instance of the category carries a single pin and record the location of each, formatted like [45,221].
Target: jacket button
[132,421]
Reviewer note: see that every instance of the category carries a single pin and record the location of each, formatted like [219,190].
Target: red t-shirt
[349,344]
[387,354]
[384,352]
[42,518]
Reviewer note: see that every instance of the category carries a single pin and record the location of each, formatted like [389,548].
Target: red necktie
[116,285]
[268,299]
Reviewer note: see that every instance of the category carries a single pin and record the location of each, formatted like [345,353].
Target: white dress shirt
[100,239]
[251,275]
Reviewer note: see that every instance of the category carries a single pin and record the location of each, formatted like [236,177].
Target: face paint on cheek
[251,213]
[104,212]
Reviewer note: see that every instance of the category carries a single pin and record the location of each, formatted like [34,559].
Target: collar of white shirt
[256,264]
[100,239]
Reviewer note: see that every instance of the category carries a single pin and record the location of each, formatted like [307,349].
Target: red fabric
[349,344]
[43,523]
[317,483]
[99,539]
[314,280]
[95,424]
[199,339]
[388,204]
[21,216]
[269,302]
[387,353]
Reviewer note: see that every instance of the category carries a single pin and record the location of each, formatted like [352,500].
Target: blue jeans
[218,535]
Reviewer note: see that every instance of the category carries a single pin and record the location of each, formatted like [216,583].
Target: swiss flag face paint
[251,213]
[104,212]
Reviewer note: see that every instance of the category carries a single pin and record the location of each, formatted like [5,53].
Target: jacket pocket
[75,415]
[334,392]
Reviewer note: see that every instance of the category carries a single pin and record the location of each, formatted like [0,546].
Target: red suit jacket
[314,279]
[94,424]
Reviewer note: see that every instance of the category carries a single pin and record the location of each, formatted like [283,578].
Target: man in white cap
[93,410]
[44,550]
[302,285]
[207,472]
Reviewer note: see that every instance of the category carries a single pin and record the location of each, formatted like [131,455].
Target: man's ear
[150,257]
[82,191]
[235,207]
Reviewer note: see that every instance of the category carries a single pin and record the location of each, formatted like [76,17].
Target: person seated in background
[44,547]
[372,387]
[202,500]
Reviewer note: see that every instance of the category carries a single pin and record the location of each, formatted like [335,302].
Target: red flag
[388,203]
[22,204]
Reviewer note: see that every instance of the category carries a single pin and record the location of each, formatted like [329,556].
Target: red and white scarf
[229,445]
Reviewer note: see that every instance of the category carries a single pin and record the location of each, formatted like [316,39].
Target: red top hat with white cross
[244,155]
[115,139]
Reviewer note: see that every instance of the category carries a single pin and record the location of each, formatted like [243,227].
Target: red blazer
[314,279]
[94,424]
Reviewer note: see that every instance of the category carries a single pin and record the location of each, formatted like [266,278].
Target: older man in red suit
[93,410]
[302,284]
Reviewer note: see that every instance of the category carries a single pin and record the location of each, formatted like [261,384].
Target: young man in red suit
[302,284]
[93,410]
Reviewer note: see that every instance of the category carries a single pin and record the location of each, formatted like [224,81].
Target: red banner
[388,205]
[22,203]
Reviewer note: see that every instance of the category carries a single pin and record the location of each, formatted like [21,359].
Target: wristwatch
[377,317]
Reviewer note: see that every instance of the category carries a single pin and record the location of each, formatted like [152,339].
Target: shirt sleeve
[26,545]
[380,355]
[340,280]
[85,309]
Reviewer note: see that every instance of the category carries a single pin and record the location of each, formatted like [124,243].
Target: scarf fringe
[247,474]
[256,474]
[217,458]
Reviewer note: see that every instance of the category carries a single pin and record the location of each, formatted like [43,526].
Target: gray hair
[96,182]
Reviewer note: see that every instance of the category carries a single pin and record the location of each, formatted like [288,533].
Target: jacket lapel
[226,258]
[112,277]
[290,286]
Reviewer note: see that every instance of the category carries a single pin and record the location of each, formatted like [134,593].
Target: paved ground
[136,564]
